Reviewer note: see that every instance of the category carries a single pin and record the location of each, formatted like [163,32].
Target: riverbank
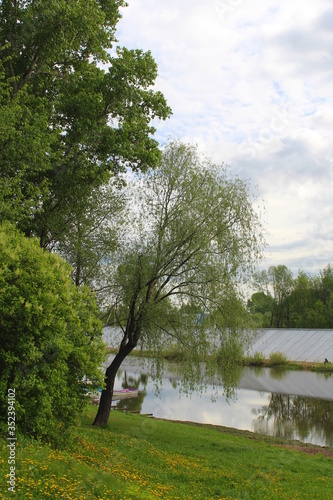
[276,360]
[136,457]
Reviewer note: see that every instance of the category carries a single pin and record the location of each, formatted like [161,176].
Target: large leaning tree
[75,109]
[193,234]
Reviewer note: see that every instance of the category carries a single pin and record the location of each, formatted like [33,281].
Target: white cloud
[250,83]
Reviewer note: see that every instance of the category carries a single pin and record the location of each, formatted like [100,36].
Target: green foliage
[50,338]
[66,123]
[277,358]
[305,302]
[184,252]
[193,233]
[258,359]
[273,309]
[90,234]
[261,307]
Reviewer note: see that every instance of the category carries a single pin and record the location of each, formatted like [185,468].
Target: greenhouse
[295,344]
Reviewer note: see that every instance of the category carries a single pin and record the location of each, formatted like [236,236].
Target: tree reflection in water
[296,417]
[137,382]
[256,408]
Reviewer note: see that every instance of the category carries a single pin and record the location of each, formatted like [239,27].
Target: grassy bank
[140,458]
[259,360]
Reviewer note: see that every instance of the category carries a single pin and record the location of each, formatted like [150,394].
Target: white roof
[295,344]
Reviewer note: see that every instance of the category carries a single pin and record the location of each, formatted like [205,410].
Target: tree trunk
[104,408]
[78,256]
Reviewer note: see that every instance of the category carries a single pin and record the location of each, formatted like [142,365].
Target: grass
[290,365]
[135,457]
[257,360]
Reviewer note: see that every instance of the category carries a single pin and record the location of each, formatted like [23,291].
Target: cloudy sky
[251,82]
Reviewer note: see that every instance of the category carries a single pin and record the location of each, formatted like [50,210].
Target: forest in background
[282,301]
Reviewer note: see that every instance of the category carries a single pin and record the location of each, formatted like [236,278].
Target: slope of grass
[135,457]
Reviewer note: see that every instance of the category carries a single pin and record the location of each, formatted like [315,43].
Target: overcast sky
[251,82]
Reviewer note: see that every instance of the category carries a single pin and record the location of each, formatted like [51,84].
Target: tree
[50,338]
[67,124]
[192,233]
[302,301]
[91,235]
[279,280]
[322,306]
[326,284]
[261,306]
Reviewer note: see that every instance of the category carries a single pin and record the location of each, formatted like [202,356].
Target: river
[288,404]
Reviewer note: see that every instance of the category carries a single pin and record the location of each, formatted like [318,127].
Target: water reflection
[278,373]
[256,407]
[138,382]
[295,417]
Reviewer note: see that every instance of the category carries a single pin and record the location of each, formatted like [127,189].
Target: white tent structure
[295,344]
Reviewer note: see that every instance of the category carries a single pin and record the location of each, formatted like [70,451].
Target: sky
[251,83]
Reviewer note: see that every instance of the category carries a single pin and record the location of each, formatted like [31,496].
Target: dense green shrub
[50,337]
[277,358]
[258,359]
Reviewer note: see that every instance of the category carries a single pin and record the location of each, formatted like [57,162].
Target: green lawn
[140,458]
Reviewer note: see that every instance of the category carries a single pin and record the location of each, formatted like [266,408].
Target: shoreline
[262,363]
[294,444]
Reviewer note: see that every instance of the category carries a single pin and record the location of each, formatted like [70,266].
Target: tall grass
[277,359]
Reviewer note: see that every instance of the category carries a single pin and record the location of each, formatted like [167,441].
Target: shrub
[277,358]
[258,359]
[50,337]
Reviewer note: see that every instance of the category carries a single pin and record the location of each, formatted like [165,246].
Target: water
[287,404]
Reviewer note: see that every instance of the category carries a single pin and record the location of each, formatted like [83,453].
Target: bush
[50,338]
[277,358]
[258,359]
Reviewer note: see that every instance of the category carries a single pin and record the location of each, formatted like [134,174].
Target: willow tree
[193,234]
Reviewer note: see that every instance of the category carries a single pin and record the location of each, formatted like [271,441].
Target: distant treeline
[282,301]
